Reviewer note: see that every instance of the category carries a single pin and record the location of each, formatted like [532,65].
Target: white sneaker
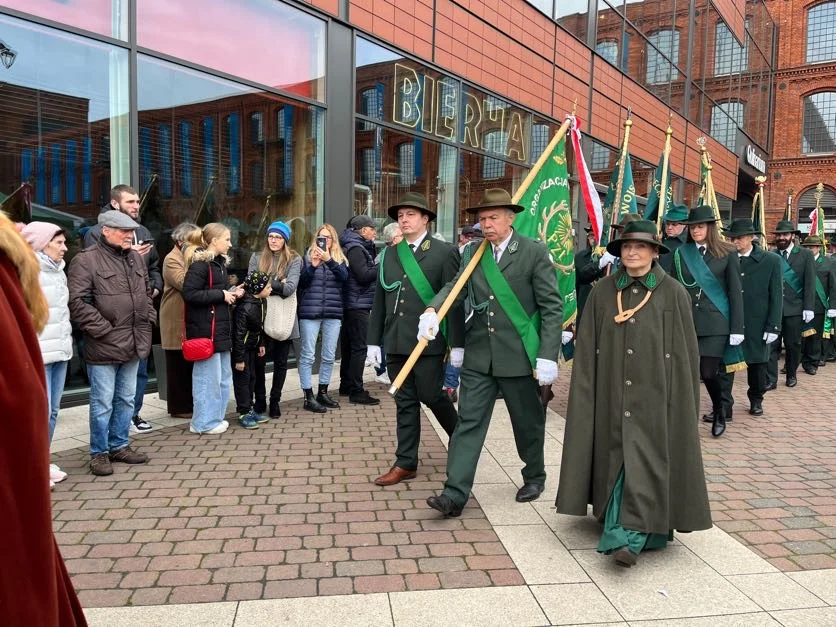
[56,475]
[383,378]
[221,428]
[51,484]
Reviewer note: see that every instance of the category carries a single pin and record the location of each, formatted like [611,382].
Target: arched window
[493,168]
[725,118]
[819,123]
[807,202]
[729,56]
[821,33]
[406,163]
[608,50]
[661,55]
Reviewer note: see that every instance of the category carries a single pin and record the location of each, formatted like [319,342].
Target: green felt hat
[812,240]
[412,200]
[676,213]
[494,198]
[637,231]
[786,226]
[701,215]
[742,226]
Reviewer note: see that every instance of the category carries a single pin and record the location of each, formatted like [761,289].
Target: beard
[782,244]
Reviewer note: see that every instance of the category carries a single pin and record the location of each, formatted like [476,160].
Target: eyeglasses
[274,236]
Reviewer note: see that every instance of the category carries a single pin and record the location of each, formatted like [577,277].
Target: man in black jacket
[125,198]
[357,242]
[587,271]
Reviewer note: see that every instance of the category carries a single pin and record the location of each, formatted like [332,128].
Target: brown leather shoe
[395,475]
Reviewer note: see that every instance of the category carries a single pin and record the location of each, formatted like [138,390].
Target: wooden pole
[477,256]
[761,180]
[660,213]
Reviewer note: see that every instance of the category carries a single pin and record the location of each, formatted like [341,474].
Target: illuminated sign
[755,160]
[436,107]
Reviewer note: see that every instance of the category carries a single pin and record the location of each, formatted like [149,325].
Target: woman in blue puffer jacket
[321,308]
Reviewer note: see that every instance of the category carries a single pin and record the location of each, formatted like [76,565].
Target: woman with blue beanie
[284,265]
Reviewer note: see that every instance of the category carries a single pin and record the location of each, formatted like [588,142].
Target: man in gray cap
[110,302]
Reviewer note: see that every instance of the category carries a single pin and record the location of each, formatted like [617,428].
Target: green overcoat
[492,344]
[761,276]
[634,402]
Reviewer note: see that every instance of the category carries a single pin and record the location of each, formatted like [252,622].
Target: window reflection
[106,17]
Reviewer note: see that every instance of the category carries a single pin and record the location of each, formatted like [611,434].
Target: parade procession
[414,312]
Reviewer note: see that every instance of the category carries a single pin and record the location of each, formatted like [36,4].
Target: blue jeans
[451,377]
[112,389]
[309,331]
[56,376]
[211,382]
[141,382]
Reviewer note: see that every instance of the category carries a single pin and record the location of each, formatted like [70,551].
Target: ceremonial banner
[548,217]
[625,204]
[652,209]
[591,199]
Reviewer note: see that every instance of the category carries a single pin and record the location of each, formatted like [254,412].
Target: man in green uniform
[676,234]
[824,306]
[799,273]
[829,344]
[410,274]
[761,278]
[631,447]
[515,333]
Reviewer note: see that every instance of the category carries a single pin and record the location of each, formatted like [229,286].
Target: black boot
[311,404]
[323,399]
[708,417]
[275,410]
[718,427]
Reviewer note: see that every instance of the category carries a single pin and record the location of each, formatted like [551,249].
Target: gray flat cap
[360,221]
[117,220]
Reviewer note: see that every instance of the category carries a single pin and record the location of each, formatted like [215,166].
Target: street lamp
[7,55]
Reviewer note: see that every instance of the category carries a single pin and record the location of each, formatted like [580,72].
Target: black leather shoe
[756,409]
[718,427]
[811,370]
[831,359]
[363,398]
[784,370]
[708,417]
[792,381]
[529,492]
[770,387]
[625,557]
[445,505]
[822,363]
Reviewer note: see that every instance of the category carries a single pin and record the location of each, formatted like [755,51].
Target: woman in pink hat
[49,242]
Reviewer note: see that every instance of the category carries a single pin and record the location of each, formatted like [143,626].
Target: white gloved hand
[606,258]
[736,339]
[769,337]
[567,337]
[456,357]
[546,371]
[427,325]
[831,313]
[373,356]
[806,315]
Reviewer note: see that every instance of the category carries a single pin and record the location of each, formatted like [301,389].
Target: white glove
[567,337]
[456,357]
[606,258]
[831,313]
[546,371]
[427,325]
[770,337]
[806,315]
[373,357]
[736,339]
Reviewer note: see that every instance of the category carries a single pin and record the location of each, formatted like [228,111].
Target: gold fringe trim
[736,367]
[827,336]
[808,333]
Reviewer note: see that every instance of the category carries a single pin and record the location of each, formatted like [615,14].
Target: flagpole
[154,178]
[660,212]
[788,212]
[477,256]
[619,186]
[761,180]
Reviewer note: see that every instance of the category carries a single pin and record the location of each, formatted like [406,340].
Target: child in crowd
[248,341]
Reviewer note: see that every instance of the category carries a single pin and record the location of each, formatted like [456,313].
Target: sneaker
[100,465]
[138,425]
[383,378]
[128,456]
[260,417]
[223,425]
[452,394]
[56,475]
[51,484]
[248,421]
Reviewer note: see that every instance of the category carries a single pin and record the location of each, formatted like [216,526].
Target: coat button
[401,314]
[491,296]
[627,414]
[404,276]
[632,321]
[491,313]
[667,355]
[402,300]
[628,383]
[629,351]
[635,291]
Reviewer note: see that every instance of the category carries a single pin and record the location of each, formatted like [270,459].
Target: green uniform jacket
[666,260]
[394,317]
[802,262]
[492,344]
[634,402]
[826,273]
[707,318]
[762,279]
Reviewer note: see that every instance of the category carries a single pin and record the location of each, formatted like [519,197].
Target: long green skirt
[615,536]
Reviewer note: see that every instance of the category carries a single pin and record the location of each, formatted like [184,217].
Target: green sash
[710,286]
[415,275]
[528,328]
[825,301]
[791,279]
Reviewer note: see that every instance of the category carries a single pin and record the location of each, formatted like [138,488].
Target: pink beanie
[39,234]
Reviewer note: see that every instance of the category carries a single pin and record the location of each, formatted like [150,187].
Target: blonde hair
[192,241]
[336,250]
[209,232]
[275,264]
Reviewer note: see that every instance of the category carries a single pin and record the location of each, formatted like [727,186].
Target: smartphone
[320,242]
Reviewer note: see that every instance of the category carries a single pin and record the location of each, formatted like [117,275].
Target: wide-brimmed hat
[742,226]
[413,200]
[676,213]
[626,219]
[637,231]
[812,240]
[786,226]
[494,198]
[701,215]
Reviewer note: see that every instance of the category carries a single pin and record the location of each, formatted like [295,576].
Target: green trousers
[615,536]
[477,396]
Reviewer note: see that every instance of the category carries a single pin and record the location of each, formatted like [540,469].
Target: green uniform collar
[649,281]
